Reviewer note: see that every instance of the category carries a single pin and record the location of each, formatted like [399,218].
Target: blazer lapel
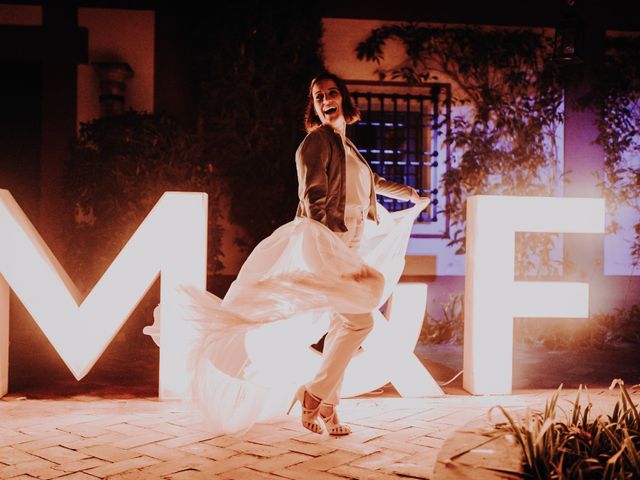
[362,159]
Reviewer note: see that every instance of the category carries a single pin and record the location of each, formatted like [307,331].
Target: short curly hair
[349,110]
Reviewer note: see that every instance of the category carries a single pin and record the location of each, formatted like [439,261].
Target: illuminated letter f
[493,298]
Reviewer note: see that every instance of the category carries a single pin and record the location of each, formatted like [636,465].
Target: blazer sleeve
[392,189]
[312,159]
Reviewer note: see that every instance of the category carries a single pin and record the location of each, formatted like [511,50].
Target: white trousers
[346,332]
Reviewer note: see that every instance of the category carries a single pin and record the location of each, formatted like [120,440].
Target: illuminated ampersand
[387,354]
[388,350]
[493,298]
[170,242]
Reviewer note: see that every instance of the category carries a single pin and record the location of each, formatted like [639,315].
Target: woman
[338,189]
[324,261]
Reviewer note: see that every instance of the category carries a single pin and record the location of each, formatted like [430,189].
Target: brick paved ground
[91,437]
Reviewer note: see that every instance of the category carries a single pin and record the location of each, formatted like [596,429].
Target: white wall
[617,257]
[26,15]
[117,36]
[339,40]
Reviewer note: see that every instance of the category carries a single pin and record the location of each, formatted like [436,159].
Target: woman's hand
[416,198]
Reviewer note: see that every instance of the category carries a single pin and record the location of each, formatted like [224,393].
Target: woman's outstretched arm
[395,190]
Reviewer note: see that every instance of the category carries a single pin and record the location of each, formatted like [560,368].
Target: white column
[4,336]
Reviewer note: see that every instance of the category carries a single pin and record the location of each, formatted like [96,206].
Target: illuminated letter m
[170,242]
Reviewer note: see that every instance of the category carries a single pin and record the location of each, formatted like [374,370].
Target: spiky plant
[576,446]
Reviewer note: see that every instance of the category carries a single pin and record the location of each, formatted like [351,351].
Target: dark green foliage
[253,66]
[249,67]
[506,140]
[603,330]
[449,329]
[118,169]
[579,447]
[515,91]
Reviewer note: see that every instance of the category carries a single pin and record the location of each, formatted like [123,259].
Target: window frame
[438,120]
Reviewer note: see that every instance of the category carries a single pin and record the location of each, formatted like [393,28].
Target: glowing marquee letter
[171,241]
[493,298]
[387,354]
[388,350]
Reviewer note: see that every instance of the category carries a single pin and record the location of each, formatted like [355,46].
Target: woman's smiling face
[327,102]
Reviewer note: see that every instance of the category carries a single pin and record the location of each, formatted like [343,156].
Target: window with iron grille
[401,136]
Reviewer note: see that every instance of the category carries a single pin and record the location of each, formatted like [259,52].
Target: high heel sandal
[333,427]
[309,415]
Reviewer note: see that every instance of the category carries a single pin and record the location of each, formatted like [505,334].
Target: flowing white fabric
[298,275]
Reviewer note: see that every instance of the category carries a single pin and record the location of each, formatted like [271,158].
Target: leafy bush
[622,326]
[448,329]
[506,140]
[253,65]
[118,169]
